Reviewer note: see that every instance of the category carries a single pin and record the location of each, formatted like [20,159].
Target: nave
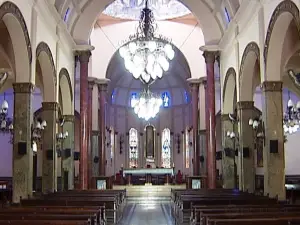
[147,211]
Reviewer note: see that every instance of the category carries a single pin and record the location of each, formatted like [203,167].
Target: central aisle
[147,212]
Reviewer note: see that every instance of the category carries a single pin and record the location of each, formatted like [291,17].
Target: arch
[17,28]
[285,13]
[66,90]
[45,58]
[248,68]
[83,24]
[229,91]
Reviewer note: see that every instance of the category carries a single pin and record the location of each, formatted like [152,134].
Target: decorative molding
[95,132]
[245,105]
[23,87]
[285,6]
[272,86]
[102,87]
[43,47]
[10,8]
[69,118]
[225,117]
[64,72]
[51,106]
[251,47]
[230,71]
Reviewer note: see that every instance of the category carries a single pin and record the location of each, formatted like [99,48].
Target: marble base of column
[228,168]
[246,150]
[49,174]
[274,163]
[68,162]
[22,163]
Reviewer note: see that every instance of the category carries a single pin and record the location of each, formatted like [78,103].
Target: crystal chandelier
[146,56]
[291,118]
[147,105]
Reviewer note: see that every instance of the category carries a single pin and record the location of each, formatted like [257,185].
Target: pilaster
[69,146]
[274,163]
[246,147]
[49,175]
[22,163]
[228,161]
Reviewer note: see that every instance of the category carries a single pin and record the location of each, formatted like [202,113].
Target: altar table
[148,173]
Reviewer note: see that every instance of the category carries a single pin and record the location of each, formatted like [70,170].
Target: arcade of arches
[236,63]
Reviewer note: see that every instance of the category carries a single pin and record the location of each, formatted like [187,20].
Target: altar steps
[148,191]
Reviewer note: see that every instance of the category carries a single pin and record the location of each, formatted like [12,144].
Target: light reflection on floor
[147,211]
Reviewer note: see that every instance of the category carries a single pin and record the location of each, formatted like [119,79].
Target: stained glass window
[133,99]
[166,99]
[112,141]
[187,149]
[113,95]
[133,148]
[67,14]
[227,16]
[166,148]
[186,96]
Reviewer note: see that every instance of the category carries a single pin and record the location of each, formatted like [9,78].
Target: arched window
[166,99]
[133,99]
[166,148]
[113,96]
[133,148]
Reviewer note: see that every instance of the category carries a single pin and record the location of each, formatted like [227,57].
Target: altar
[148,175]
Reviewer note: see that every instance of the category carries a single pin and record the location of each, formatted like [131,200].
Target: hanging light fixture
[291,118]
[147,105]
[146,56]
[6,123]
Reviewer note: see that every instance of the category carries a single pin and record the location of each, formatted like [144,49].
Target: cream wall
[110,37]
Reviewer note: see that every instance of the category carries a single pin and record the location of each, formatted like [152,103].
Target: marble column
[84,57]
[229,175]
[194,85]
[102,89]
[68,146]
[91,83]
[22,163]
[49,175]
[274,163]
[211,129]
[246,142]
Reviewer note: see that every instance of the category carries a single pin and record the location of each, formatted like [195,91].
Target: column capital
[272,86]
[23,87]
[91,82]
[53,106]
[193,82]
[69,118]
[203,81]
[102,84]
[210,52]
[245,105]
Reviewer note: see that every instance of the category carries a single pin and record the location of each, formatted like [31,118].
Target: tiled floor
[147,212]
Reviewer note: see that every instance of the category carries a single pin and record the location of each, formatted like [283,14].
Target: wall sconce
[37,129]
[178,143]
[121,143]
[258,126]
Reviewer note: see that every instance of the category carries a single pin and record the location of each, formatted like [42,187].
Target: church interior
[129,112]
